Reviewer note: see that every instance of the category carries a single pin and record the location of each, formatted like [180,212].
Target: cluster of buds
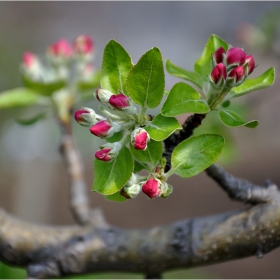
[120,115]
[229,69]
[58,56]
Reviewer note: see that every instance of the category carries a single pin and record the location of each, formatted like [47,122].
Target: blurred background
[33,180]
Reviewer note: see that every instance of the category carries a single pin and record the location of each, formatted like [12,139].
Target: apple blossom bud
[100,129]
[83,44]
[238,74]
[235,56]
[132,187]
[250,64]
[61,48]
[140,139]
[166,190]
[29,59]
[151,188]
[87,117]
[119,101]
[104,154]
[218,55]
[219,73]
[103,95]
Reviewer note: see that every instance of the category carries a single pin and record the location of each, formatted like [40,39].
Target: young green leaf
[151,155]
[138,166]
[196,154]
[43,88]
[116,65]
[190,76]
[115,197]
[161,127]
[261,82]
[232,119]
[145,82]
[183,99]
[203,64]
[31,120]
[110,177]
[18,97]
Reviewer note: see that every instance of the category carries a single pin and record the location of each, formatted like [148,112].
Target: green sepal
[110,177]
[161,127]
[183,99]
[116,197]
[231,119]
[116,65]
[151,155]
[190,76]
[19,97]
[195,154]
[145,82]
[32,120]
[263,81]
[43,88]
[203,65]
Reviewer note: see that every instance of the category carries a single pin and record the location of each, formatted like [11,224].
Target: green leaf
[232,119]
[161,127]
[261,82]
[18,97]
[32,120]
[190,76]
[116,137]
[145,82]
[43,88]
[115,197]
[183,99]
[196,154]
[151,155]
[138,166]
[116,65]
[203,64]
[110,177]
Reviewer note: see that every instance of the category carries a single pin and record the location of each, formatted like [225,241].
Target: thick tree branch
[59,251]
[78,198]
[240,189]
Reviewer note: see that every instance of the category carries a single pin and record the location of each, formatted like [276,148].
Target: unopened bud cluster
[229,69]
[120,114]
[57,64]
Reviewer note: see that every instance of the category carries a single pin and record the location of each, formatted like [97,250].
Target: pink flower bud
[104,154]
[250,63]
[29,59]
[218,73]
[238,73]
[218,55]
[235,56]
[140,139]
[83,44]
[119,101]
[61,48]
[151,188]
[100,129]
[79,115]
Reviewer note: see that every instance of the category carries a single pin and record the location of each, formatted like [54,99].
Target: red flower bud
[100,129]
[83,44]
[218,73]
[218,55]
[119,101]
[61,48]
[140,138]
[28,59]
[238,73]
[104,154]
[151,188]
[235,56]
[79,115]
[251,63]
